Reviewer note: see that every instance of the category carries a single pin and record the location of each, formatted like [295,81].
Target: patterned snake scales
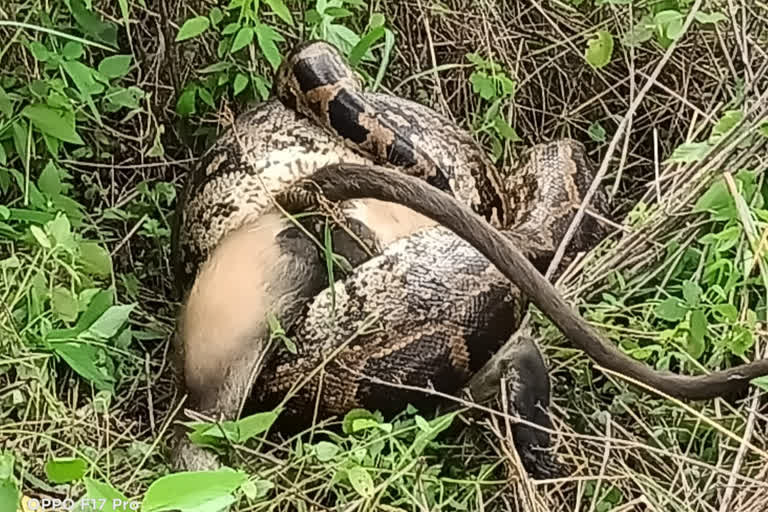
[442,258]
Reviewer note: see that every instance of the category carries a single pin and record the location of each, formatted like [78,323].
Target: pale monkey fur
[223,325]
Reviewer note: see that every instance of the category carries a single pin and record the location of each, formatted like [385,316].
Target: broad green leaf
[57,123]
[243,38]
[266,37]
[325,451]
[216,67]
[256,424]
[698,332]
[111,321]
[92,24]
[82,358]
[186,102]
[726,123]
[239,84]
[709,17]
[72,50]
[716,198]
[743,340]
[115,66]
[40,236]
[187,491]
[9,495]
[690,152]
[230,29]
[49,181]
[599,49]
[364,45]
[281,10]
[691,293]
[377,20]
[63,470]
[505,130]
[727,312]
[436,426]
[257,489]
[95,259]
[355,414]
[99,303]
[193,27]
[596,132]
[216,16]
[671,309]
[114,500]
[482,85]
[6,106]
[361,481]
[39,51]
[64,304]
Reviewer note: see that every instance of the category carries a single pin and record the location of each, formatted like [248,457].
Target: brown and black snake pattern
[434,306]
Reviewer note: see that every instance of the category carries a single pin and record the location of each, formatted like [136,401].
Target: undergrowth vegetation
[103,106]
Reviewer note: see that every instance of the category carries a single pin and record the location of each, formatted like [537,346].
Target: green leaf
[92,24]
[763,129]
[239,84]
[49,181]
[257,489]
[82,358]
[325,451]
[377,20]
[9,495]
[361,481]
[726,123]
[716,198]
[39,51]
[95,259]
[255,424]
[267,37]
[115,66]
[505,130]
[743,340]
[56,123]
[111,321]
[726,312]
[243,38]
[190,491]
[596,132]
[216,16]
[364,45]
[671,309]
[483,85]
[230,29]
[281,10]
[711,17]
[698,332]
[40,236]
[72,50]
[689,152]
[6,106]
[193,27]
[63,470]
[186,102]
[113,499]
[352,416]
[64,304]
[216,67]
[691,293]
[99,303]
[599,49]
